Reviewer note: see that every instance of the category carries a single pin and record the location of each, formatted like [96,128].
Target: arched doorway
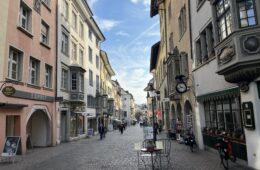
[173,119]
[179,121]
[38,129]
[188,116]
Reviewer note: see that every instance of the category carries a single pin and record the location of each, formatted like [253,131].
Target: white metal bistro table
[152,151]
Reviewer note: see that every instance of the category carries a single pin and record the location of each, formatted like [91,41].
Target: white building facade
[226,74]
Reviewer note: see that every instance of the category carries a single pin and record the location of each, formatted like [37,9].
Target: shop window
[12,125]
[223,115]
[73,125]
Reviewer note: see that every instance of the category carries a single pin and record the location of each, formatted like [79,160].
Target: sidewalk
[182,158]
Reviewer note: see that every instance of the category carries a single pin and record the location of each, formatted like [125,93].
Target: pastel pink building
[30,68]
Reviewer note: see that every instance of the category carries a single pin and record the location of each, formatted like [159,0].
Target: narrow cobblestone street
[115,152]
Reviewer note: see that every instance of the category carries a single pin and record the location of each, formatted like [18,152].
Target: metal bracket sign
[8,90]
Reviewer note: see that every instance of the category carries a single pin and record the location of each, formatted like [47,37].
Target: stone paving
[115,152]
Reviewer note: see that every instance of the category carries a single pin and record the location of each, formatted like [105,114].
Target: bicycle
[224,147]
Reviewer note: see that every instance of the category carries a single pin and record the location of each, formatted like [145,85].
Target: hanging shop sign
[8,90]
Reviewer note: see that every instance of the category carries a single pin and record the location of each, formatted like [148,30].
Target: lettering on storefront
[32,96]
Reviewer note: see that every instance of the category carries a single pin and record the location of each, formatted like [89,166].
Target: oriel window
[247,14]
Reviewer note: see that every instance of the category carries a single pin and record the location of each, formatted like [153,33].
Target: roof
[104,57]
[154,55]
[153,8]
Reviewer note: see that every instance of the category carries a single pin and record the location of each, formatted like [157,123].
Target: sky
[130,33]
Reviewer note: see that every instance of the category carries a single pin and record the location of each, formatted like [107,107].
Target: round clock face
[181,87]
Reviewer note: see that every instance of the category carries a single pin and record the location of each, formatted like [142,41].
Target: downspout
[190,28]
[56,67]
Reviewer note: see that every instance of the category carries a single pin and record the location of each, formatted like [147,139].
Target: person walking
[101,130]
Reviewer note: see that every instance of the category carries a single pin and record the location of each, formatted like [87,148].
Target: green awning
[224,94]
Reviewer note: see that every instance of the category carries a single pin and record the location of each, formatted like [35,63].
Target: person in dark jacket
[101,130]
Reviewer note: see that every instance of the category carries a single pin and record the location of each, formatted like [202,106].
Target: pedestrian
[121,128]
[101,130]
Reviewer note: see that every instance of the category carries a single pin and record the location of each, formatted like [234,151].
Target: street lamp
[152,93]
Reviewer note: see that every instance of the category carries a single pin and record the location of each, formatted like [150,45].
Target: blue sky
[130,33]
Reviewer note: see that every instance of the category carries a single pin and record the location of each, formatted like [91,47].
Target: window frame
[239,17]
[66,52]
[64,78]
[90,54]
[48,76]
[28,17]
[35,71]
[74,51]
[224,16]
[91,78]
[47,27]
[19,64]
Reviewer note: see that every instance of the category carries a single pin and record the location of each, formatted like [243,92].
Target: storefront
[222,112]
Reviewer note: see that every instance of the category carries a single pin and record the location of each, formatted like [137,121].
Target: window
[97,61]
[182,21]
[66,9]
[81,30]
[90,34]
[47,2]
[223,114]
[97,82]
[91,101]
[34,71]
[65,43]
[25,16]
[45,33]
[48,76]
[64,79]
[81,55]
[247,13]
[73,81]
[74,20]
[97,43]
[90,78]
[15,64]
[73,51]
[205,45]
[37,5]
[224,18]
[89,54]
[81,82]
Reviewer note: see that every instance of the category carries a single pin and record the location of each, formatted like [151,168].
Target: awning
[218,95]
[12,105]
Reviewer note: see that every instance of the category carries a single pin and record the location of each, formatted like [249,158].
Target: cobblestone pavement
[115,152]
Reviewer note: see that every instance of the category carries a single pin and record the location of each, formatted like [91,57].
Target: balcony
[77,97]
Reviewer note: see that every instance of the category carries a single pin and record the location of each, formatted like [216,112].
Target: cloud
[91,3]
[122,33]
[145,2]
[106,24]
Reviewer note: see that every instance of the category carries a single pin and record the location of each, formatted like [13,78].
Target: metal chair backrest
[166,146]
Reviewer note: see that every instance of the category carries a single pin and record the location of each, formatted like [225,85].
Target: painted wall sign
[32,96]
[8,90]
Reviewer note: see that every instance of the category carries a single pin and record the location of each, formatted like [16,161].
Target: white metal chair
[165,145]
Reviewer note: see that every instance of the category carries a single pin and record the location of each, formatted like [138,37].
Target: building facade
[226,56]
[78,69]
[107,102]
[29,65]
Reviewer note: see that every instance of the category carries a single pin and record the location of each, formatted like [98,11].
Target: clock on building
[181,87]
